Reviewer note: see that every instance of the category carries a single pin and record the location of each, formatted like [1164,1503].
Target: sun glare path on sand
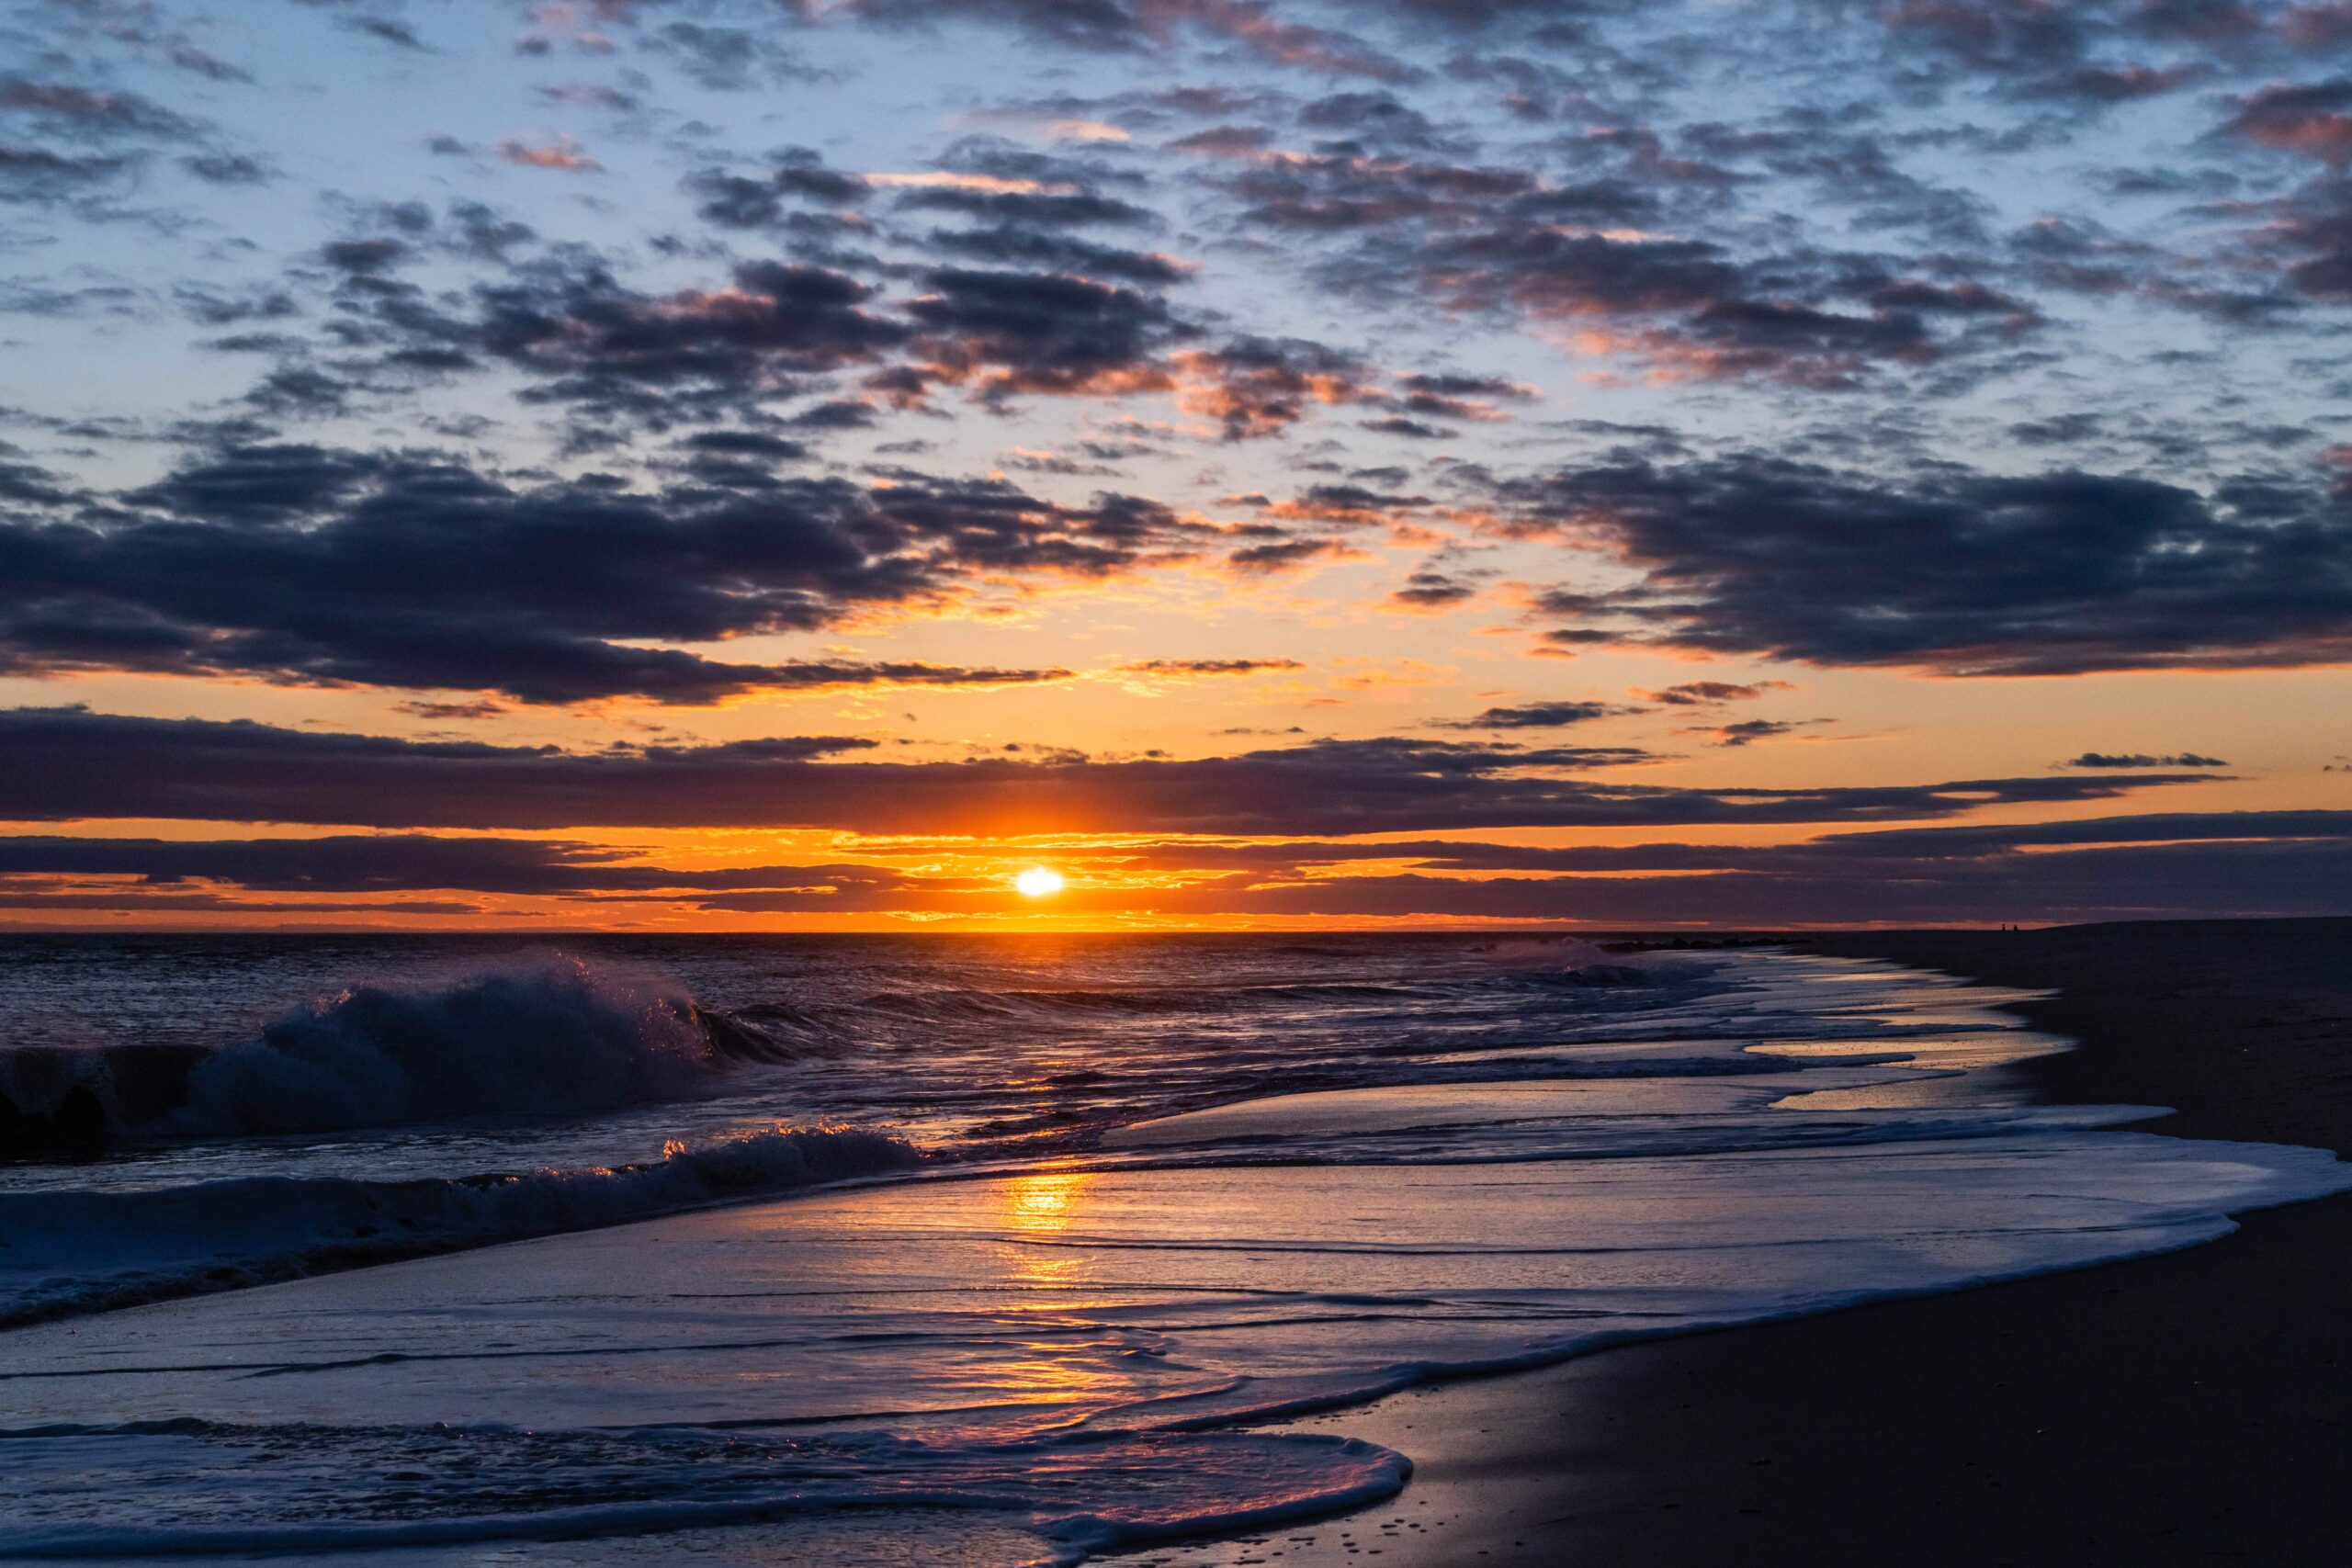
[1038,883]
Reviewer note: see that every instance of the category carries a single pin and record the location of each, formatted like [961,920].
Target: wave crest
[552,1037]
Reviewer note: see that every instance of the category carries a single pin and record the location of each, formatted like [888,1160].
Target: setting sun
[1038,883]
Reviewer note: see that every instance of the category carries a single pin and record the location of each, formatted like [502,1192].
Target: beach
[1528,1250]
[2193,1407]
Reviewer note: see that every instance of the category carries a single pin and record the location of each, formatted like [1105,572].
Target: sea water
[948,1249]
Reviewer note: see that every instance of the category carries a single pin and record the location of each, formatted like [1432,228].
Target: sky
[675,465]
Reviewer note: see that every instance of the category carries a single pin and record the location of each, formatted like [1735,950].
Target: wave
[771,1032]
[559,1037]
[548,1037]
[952,1005]
[76,1252]
[551,1038]
[949,1005]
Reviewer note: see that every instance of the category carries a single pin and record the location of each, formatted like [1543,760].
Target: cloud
[594,345]
[562,154]
[1288,555]
[397,863]
[385,30]
[2116,867]
[1205,667]
[1411,429]
[313,565]
[1960,574]
[774,320]
[1010,245]
[1041,208]
[1693,693]
[1429,591]
[2314,120]
[1043,332]
[1256,387]
[1471,397]
[2293,878]
[757,201]
[43,175]
[1027,209]
[1028,303]
[89,113]
[1747,731]
[69,763]
[2142,867]
[1688,307]
[2312,232]
[482,707]
[1541,716]
[76,149]
[730,60]
[2141,759]
[1113,25]
[1586,259]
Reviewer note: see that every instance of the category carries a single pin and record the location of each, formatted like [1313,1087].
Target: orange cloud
[562,153]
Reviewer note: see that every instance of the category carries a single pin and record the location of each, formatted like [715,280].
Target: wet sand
[2190,1408]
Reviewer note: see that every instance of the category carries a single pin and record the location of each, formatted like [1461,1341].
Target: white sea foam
[78,1252]
[496,1485]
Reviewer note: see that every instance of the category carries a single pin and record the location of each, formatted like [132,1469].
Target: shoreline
[2195,1406]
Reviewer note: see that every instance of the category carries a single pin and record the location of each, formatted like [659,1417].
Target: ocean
[943,1248]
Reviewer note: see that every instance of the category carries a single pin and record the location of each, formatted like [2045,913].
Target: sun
[1038,883]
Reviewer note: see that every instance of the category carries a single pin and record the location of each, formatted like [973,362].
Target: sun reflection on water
[1043,1200]
[1067,1353]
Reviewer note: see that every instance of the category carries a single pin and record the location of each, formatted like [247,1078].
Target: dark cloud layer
[2280,863]
[314,565]
[1963,574]
[393,862]
[2280,879]
[2249,864]
[69,764]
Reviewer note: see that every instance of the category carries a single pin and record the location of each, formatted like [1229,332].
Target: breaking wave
[550,1037]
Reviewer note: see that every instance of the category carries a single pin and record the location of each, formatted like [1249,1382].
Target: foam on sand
[1065,1347]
